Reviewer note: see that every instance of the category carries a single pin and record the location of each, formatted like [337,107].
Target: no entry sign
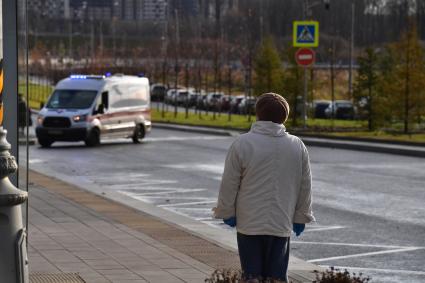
[305,57]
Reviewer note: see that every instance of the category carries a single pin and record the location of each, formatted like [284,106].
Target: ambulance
[92,108]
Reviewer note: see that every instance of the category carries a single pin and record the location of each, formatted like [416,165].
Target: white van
[89,108]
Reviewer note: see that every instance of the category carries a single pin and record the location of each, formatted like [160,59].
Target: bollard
[13,249]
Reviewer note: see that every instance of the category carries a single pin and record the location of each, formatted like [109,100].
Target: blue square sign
[306,34]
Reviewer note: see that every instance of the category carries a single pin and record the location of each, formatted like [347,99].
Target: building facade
[124,10]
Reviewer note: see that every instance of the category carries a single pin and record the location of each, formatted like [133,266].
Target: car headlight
[79,118]
[40,120]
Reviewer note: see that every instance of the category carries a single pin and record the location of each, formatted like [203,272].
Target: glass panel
[25,130]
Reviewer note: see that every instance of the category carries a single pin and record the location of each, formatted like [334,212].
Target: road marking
[164,192]
[35,160]
[111,176]
[324,228]
[188,203]
[353,245]
[196,138]
[407,272]
[209,219]
[135,182]
[364,254]
[158,196]
[211,168]
[190,209]
[148,190]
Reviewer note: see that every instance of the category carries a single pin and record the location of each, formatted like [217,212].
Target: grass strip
[337,128]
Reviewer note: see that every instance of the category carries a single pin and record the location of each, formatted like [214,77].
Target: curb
[414,151]
[371,140]
[369,145]
[195,129]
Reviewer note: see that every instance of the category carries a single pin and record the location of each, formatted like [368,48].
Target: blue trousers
[263,256]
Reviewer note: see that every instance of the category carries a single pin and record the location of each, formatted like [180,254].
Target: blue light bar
[108,74]
[86,77]
[78,77]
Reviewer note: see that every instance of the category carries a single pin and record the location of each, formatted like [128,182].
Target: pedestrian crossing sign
[306,34]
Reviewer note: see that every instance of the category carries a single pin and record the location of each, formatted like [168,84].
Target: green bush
[337,276]
[329,276]
[234,276]
[225,276]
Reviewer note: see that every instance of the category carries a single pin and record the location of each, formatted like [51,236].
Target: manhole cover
[55,278]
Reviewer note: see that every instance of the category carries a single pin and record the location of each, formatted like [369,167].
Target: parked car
[224,103]
[169,97]
[158,92]
[181,97]
[213,99]
[319,107]
[341,109]
[234,103]
[247,105]
[193,98]
[201,103]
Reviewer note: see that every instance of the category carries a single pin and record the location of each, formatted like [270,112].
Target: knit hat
[272,107]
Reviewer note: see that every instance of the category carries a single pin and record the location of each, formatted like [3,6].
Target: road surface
[369,207]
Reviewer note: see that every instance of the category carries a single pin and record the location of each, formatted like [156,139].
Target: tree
[365,87]
[406,78]
[268,69]
[292,83]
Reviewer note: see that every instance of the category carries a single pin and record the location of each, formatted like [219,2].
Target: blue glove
[298,228]
[230,221]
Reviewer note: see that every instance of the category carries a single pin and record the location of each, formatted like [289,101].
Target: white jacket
[266,182]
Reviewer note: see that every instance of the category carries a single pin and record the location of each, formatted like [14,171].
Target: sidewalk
[82,237]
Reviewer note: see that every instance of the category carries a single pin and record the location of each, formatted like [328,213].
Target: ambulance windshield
[71,99]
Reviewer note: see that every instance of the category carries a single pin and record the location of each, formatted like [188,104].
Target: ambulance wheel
[139,133]
[93,138]
[45,142]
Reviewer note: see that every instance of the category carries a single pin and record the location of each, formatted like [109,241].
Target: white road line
[179,191]
[396,271]
[136,183]
[35,160]
[209,219]
[198,209]
[353,245]
[364,254]
[157,182]
[324,228]
[187,203]
[196,138]
[211,168]
[112,176]
[174,197]
[166,192]
[151,190]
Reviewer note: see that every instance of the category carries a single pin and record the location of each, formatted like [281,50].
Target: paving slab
[98,249]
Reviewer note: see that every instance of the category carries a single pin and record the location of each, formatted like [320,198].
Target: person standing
[266,191]
[23,111]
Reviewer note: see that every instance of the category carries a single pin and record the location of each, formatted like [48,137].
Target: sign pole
[305,34]
[305,57]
